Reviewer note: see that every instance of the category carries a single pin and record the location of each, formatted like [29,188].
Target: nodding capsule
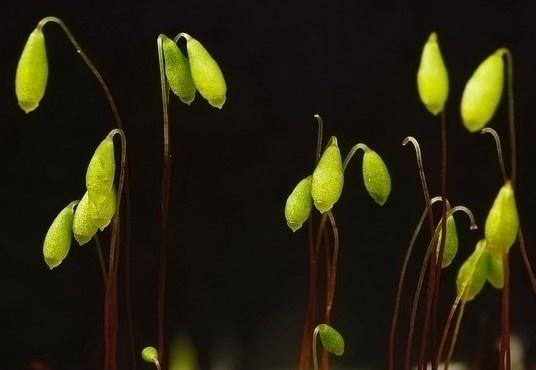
[58,238]
[328,178]
[451,242]
[32,72]
[376,177]
[101,171]
[473,273]
[206,73]
[432,77]
[502,223]
[84,228]
[331,339]
[177,70]
[299,204]
[483,92]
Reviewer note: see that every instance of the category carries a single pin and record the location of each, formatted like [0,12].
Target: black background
[236,273]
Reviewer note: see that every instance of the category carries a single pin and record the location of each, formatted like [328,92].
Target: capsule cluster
[197,71]
[93,212]
[324,186]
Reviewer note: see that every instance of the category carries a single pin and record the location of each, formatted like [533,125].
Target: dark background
[237,275]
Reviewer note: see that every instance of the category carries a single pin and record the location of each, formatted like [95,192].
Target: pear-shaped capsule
[331,339]
[206,73]
[101,171]
[84,227]
[299,204]
[432,77]
[177,69]
[483,92]
[451,242]
[32,72]
[149,354]
[473,273]
[502,223]
[328,178]
[103,213]
[58,238]
[495,270]
[376,177]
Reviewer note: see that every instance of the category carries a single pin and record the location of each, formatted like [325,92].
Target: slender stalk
[439,254]
[164,201]
[90,65]
[497,139]
[454,336]
[504,357]
[431,280]
[315,359]
[101,258]
[319,135]
[511,117]
[352,152]
[526,261]
[401,279]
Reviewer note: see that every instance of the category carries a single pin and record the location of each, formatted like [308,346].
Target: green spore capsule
[32,72]
[299,204]
[451,242]
[149,354]
[502,223]
[328,178]
[206,73]
[331,339]
[177,69]
[432,77]
[495,270]
[473,273]
[376,177]
[103,213]
[84,227]
[58,238]
[483,92]
[101,171]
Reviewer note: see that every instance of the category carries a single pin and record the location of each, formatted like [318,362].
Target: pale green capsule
[432,77]
[101,171]
[376,177]
[84,227]
[331,339]
[299,204]
[32,72]
[473,273]
[206,73]
[328,178]
[495,270]
[149,354]
[502,223]
[483,92]
[58,238]
[451,242]
[103,213]
[177,69]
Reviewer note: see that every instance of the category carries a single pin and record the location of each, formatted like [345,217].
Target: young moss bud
[58,239]
[103,213]
[451,242]
[177,69]
[432,77]
[473,273]
[502,223]
[376,177]
[32,72]
[206,73]
[149,354]
[495,270]
[328,178]
[483,92]
[101,171]
[299,204]
[84,227]
[331,339]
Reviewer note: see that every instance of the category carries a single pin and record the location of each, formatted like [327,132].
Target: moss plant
[323,189]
